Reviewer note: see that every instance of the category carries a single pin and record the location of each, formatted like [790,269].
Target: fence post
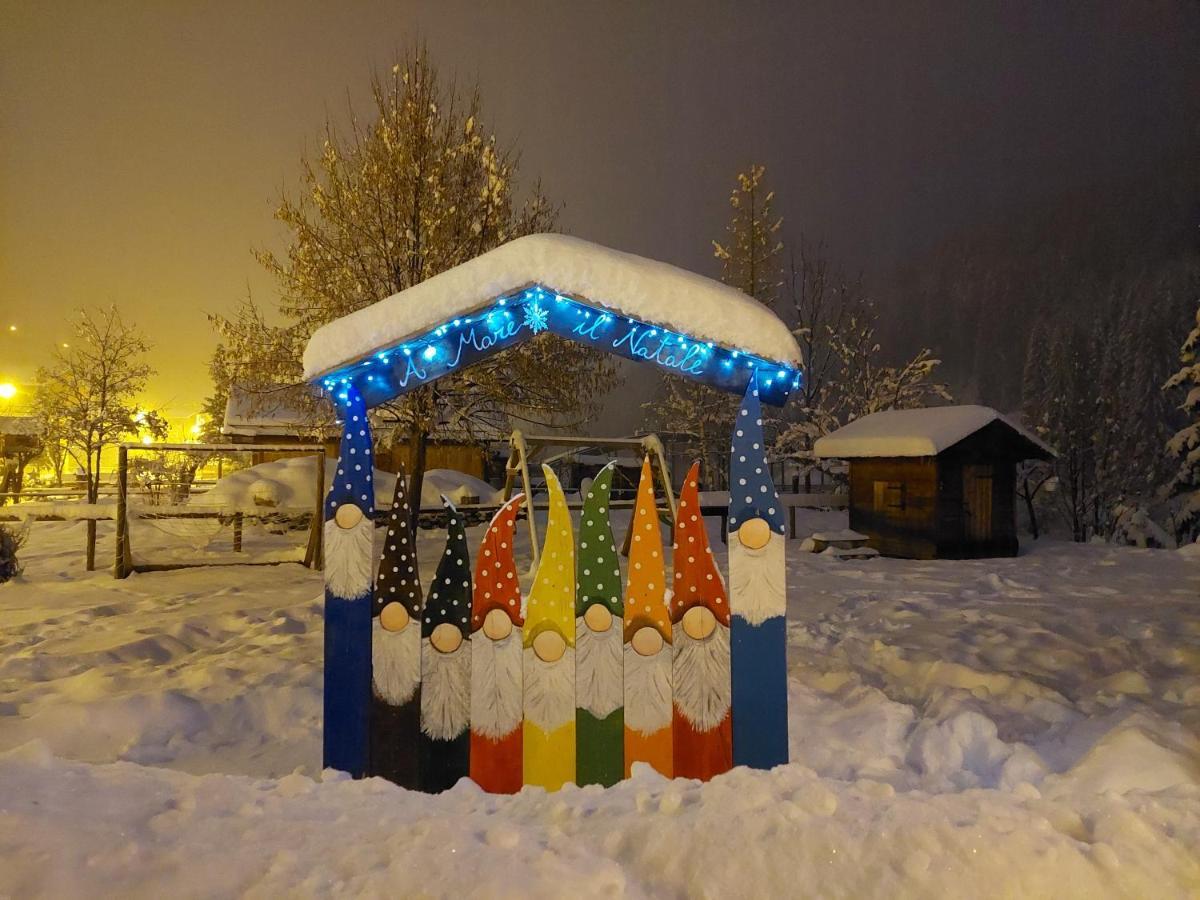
[120,569]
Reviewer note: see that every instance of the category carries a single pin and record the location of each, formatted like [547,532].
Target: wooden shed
[935,483]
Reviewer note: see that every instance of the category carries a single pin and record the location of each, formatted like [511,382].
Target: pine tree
[418,189]
[1184,446]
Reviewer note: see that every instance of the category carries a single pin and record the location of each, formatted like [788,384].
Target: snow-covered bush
[1133,527]
[11,540]
[1185,445]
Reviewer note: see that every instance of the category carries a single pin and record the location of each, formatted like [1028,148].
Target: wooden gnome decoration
[647,633]
[396,651]
[446,664]
[599,691]
[703,740]
[496,692]
[757,598]
[349,532]
[549,656]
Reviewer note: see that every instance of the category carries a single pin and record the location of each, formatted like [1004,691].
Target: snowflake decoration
[535,318]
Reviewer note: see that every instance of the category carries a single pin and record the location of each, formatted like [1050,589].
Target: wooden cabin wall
[909,532]
[466,458]
[952,539]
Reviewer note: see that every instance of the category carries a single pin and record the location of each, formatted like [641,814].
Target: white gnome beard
[757,580]
[598,669]
[496,684]
[647,690]
[349,555]
[701,683]
[445,691]
[395,662]
[550,690]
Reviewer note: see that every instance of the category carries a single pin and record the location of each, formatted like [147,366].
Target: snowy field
[1018,727]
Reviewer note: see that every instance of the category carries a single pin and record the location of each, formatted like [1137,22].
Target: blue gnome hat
[751,491]
[352,482]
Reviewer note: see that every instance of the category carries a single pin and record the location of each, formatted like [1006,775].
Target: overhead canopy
[623,304]
[919,432]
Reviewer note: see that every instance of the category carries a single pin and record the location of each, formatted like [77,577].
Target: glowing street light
[8,390]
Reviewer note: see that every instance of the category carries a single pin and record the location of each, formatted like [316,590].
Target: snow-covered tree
[750,253]
[418,188]
[1184,445]
[89,394]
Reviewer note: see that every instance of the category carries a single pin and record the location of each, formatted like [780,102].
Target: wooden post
[237,532]
[119,565]
[318,515]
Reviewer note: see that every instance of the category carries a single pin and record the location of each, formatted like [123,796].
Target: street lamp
[8,390]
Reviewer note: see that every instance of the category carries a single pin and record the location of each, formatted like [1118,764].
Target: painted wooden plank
[549,654]
[496,683]
[396,651]
[647,635]
[757,597]
[700,680]
[349,526]
[446,664]
[599,677]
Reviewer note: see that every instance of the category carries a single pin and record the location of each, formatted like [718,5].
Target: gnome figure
[549,656]
[496,683]
[700,628]
[446,664]
[396,651]
[758,597]
[348,535]
[599,679]
[647,635]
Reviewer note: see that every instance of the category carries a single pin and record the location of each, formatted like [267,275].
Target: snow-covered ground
[1013,727]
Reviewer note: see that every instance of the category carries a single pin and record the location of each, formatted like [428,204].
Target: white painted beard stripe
[757,580]
[647,690]
[599,679]
[445,691]
[349,556]
[395,662]
[549,690]
[496,702]
[700,680]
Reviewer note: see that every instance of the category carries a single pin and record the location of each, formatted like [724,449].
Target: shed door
[977,497]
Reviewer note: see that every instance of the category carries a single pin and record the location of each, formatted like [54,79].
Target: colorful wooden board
[599,676]
[446,664]
[647,635]
[549,654]
[395,720]
[349,527]
[700,681]
[496,683]
[757,598]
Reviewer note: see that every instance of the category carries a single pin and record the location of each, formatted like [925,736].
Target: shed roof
[918,432]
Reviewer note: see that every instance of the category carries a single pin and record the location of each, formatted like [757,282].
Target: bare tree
[91,390]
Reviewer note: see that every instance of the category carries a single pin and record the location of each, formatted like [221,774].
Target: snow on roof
[652,291]
[914,432]
[20,425]
[250,414]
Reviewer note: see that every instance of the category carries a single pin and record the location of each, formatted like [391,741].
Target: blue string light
[467,339]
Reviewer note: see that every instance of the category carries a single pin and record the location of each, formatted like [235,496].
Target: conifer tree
[1184,446]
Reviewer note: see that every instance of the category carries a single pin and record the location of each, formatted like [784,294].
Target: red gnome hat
[698,581]
[497,585]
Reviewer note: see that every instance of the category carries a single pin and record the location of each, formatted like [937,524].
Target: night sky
[144,145]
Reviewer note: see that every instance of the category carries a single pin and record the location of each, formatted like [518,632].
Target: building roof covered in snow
[285,413]
[24,426]
[648,310]
[920,432]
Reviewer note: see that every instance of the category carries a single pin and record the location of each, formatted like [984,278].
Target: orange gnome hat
[698,581]
[497,585]
[646,586]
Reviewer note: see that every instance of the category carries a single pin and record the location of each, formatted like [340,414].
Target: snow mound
[290,485]
[914,432]
[652,291]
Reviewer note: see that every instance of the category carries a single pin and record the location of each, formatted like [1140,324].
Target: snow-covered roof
[651,291]
[249,414]
[20,425]
[914,432]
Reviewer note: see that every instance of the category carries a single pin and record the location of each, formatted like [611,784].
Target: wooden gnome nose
[646,641]
[446,638]
[754,534]
[598,618]
[549,646]
[699,622]
[497,625]
[348,515]
[394,617]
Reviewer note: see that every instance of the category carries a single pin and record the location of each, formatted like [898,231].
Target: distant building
[934,483]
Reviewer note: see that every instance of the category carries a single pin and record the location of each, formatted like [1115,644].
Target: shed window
[889,497]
